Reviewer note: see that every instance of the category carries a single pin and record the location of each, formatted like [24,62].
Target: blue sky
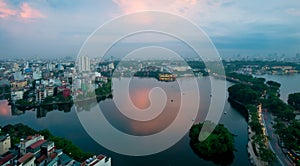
[57,28]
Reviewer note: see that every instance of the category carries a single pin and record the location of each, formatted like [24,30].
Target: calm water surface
[66,124]
[289,84]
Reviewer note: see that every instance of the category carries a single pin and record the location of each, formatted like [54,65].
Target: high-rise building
[49,66]
[84,64]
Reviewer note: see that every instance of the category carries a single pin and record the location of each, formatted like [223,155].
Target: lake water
[289,84]
[67,124]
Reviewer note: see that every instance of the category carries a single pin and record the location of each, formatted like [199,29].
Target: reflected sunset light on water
[140,98]
[4,108]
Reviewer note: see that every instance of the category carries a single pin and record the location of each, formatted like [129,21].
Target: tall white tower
[84,64]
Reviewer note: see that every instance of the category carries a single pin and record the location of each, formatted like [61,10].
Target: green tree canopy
[244,94]
[274,84]
[292,136]
[218,144]
[294,100]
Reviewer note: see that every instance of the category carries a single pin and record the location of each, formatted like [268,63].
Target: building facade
[24,144]
[84,64]
[5,144]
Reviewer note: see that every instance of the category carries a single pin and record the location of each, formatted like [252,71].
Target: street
[273,142]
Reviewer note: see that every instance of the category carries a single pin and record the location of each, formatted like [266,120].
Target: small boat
[225,112]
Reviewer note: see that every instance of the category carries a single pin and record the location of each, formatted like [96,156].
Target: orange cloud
[132,6]
[5,11]
[28,12]
[24,13]
[181,7]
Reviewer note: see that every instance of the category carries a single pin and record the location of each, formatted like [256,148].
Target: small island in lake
[218,147]
[156,72]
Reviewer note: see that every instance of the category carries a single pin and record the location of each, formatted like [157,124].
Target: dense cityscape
[46,86]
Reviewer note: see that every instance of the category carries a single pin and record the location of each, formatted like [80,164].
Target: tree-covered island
[218,147]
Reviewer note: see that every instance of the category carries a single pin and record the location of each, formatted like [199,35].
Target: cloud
[191,9]
[27,12]
[174,6]
[204,12]
[181,7]
[293,11]
[23,12]
[5,11]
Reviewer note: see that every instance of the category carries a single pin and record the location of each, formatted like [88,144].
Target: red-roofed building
[53,155]
[8,159]
[65,91]
[27,160]
[35,148]
[37,144]
[24,144]
[41,160]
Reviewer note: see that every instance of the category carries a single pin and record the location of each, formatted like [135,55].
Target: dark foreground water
[67,124]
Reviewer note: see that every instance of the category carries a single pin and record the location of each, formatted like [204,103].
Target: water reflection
[220,159]
[67,125]
[4,108]
[8,109]
[139,95]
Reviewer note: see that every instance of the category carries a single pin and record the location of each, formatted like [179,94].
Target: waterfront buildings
[25,144]
[36,151]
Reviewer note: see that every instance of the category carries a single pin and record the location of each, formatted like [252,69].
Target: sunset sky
[58,28]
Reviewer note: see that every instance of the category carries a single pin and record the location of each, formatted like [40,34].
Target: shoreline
[252,157]
[38,105]
[251,151]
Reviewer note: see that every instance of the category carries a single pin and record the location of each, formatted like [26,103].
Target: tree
[292,136]
[287,114]
[273,84]
[267,155]
[280,128]
[46,133]
[294,100]
[218,144]
[244,94]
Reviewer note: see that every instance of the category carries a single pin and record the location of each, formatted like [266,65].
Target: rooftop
[49,143]
[37,144]
[53,155]
[65,159]
[30,137]
[3,137]
[41,159]
[6,158]
[25,158]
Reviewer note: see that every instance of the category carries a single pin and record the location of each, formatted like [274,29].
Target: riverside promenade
[254,159]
